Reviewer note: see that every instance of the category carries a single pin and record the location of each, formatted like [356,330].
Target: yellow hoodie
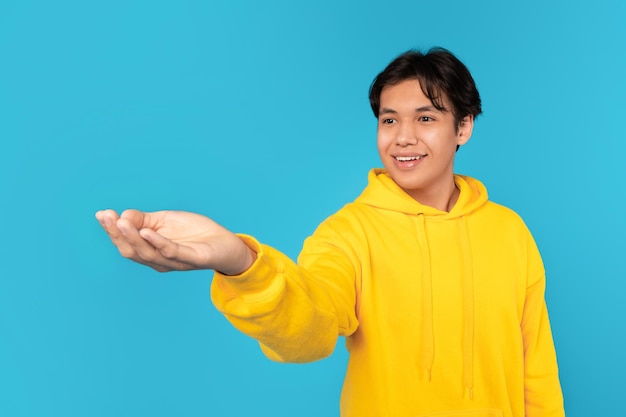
[443,312]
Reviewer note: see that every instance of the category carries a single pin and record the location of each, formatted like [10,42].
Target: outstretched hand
[176,241]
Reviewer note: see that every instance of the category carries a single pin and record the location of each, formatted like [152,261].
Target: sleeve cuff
[256,278]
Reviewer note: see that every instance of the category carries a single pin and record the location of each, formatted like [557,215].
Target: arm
[543,395]
[295,311]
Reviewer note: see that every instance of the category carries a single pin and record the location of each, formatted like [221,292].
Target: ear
[464,129]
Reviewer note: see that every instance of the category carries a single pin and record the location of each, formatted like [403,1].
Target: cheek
[381,148]
[383,141]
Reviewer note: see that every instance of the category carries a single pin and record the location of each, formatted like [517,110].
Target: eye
[387,121]
[425,119]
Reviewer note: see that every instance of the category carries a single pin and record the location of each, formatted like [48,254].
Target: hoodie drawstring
[468,309]
[428,334]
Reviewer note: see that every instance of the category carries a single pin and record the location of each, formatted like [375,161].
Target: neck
[441,199]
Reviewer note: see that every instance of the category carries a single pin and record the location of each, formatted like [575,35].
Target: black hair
[440,74]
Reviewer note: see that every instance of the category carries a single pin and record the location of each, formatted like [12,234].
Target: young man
[439,292]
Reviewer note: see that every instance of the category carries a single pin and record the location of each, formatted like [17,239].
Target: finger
[180,257]
[143,219]
[173,255]
[108,220]
[142,249]
[165,246]
[106,217]
[135,217]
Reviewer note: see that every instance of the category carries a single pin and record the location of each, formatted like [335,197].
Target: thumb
[168,248]
[136,217]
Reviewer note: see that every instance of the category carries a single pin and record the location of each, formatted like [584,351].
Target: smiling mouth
[409,158]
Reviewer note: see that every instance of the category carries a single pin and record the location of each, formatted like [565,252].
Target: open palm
[176,240]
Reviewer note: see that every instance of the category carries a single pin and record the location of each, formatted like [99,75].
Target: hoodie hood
[382,192]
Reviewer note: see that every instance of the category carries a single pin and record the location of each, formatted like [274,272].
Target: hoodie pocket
[492,412]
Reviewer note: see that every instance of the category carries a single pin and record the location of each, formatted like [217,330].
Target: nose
[407,134]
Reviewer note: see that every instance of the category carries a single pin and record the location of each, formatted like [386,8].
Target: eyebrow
[386,110]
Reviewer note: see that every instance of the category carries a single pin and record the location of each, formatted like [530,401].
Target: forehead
[407,89]
[410,93]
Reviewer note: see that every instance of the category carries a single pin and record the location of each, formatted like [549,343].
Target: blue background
[256,114]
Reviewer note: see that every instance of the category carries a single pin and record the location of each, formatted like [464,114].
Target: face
[417,143]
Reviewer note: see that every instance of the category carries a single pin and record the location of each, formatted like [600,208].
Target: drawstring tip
[471,393]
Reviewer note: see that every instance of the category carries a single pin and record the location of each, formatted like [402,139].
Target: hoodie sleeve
[543,395]
[296,312]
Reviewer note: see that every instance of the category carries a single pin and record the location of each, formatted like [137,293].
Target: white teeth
[408,158]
